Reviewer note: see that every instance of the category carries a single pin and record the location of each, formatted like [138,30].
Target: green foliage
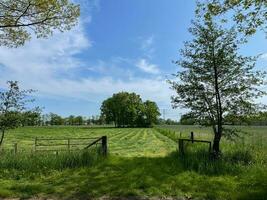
[31,117]
[214,80]
[127,109]
[12,102]
[188,119]
[141,163]
[20,18]
[249,15]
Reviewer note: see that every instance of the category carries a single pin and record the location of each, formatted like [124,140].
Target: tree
[127,109]
[20,18]
[151,113]
[56,119]
[215,80]
[188,119]
[31,117]
[249,15]
[78,120]
[12,102]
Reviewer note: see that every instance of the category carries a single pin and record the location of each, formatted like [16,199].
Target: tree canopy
[249,15]
[12,104]
[20,18]
[127,109]
[214,79]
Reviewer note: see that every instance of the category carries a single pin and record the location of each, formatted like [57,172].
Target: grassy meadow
[142,163]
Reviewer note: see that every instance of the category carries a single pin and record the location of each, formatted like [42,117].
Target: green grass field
[142,163]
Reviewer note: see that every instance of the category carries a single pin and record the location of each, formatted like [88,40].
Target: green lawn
[142,163]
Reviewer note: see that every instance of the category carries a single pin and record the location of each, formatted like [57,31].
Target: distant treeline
[258,119]
[32,118]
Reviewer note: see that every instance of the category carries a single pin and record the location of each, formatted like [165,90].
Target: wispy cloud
[264,56]
[145,66]
[147,46]
[50,65]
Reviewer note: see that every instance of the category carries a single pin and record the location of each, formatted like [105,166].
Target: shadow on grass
[193,176]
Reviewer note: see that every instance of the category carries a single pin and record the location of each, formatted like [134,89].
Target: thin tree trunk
[216,144]
[2,137]
[218,132]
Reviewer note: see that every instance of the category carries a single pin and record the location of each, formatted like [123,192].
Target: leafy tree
[78,120]
[56,119]
[214,80]
[12,102]
[71,120]
[188,119]
[20,18]
[151,113]
[31,117]
[248,14]
[127,109]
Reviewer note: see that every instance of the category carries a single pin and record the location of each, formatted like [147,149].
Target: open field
[141,163]
[123,142]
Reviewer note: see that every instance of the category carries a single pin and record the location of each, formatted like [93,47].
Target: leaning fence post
[15,148]
[192,136]
[104,145]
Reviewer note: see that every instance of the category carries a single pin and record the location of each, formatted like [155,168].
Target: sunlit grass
[141,163]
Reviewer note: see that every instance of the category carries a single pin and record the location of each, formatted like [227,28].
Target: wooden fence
[192,140]
[70,144]
[64,144]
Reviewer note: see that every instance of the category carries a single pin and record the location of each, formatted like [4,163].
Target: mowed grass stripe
[129,142]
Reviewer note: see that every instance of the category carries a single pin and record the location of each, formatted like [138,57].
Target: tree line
[34,118]
[256,119]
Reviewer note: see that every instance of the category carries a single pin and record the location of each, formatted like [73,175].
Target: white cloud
[144,65]
[47,65]
[264,56]
[147,46]
[147,42]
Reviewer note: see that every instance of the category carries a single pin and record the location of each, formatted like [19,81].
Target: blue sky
[118,45]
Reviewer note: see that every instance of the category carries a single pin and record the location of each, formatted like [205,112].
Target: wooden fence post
[181,146]
[15,148]
[192,136]
[104,145]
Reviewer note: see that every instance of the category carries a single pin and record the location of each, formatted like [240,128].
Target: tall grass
[35,162]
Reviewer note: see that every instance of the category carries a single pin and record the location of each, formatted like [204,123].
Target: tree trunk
[216,143]
[2,137]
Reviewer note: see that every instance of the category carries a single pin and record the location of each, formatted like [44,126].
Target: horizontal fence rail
[69,144]
[181,143]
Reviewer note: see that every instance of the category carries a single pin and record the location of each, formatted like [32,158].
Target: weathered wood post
[192,136]
[15,148]
[181,146]
[104,145]
[209,147]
